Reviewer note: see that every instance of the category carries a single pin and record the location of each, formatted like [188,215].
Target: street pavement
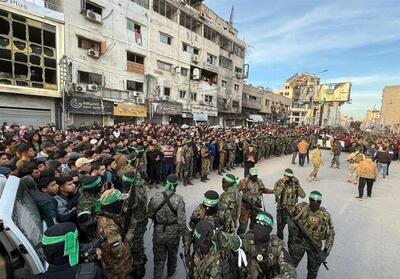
[367,241]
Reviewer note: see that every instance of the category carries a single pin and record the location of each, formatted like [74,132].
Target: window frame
[135,83]
[168,37]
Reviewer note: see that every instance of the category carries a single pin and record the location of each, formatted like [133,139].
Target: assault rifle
[309,240]
[87,251]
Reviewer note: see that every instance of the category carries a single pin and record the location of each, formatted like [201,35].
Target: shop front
[129,113]
[84,111]
[165,112]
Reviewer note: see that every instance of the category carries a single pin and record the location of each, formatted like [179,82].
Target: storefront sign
[200,117]
[167,108]
[82,105]
[210,111]
[130,110]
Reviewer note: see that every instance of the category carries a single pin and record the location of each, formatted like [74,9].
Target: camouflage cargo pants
[221,161]
[165,249]
[205,165]
[297,248]
[138,251]
[281,221]
[246,214]
[231,162]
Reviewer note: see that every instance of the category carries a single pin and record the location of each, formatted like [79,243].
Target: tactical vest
[314,223]
[263,263]
[289,195]
[251,192]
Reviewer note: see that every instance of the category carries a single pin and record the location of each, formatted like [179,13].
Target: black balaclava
[203,234]
[263,228]
[315,199]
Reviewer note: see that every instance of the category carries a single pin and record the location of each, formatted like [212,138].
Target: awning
[200,117]
[255,118]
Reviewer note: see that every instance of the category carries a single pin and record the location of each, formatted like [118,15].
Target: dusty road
[367,243]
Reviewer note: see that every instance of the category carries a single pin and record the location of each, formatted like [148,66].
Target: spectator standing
[336,151]
[367,173]
[295,150]
[249,159]
[168,163]
[303,149]
[67,200]
[382,158]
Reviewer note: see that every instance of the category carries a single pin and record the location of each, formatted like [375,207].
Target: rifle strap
[167,202]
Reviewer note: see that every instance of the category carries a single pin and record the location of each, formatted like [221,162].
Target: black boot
[189,182]
[206,177]
[203,179]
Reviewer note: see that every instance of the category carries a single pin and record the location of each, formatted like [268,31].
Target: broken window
[211,59]
[88,44]
[208,99]
[6,54]
[167,91]
[143,3]
[238,51]
[49,38]
[90,78]
[225,62]
[166,39]
[182,94]
[19,30]
[35,35]
[134,85]
[36,49]
[164,66]
[133,57]
[225,43]
[93,7]
[189,22]
[4,26]
[208,76]
[165,9]
[5,69]
[210,34]
[188,48]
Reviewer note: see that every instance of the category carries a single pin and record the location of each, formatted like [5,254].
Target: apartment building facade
[156,60]
[31,47]
[390,106]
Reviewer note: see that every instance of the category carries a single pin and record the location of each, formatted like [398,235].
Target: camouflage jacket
[229,209]
[116,257]
[268,261]
[318,224]
[287,193]
[252,191]
[165,221]
[208,266]
[139,211]
[86,213]
[188,153]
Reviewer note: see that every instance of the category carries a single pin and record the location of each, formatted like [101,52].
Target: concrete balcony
[252,104]
[203,87]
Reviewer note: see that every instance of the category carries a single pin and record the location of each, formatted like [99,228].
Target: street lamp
[324,71]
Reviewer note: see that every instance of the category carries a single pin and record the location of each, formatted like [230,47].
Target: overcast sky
[356,40]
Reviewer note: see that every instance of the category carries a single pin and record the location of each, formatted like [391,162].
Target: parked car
[21,231]
[328,141]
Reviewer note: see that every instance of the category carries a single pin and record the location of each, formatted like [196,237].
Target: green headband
[210,202]
[231,180]
[316,197]
[170,186]
[265,219]
[109,200]
[71,245]
[288,174]
[136,181]
[93,184]
[196,234]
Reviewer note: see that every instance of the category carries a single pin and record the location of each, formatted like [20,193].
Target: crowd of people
[92,183]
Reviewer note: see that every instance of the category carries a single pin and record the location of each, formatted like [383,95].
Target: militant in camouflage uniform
[317,224]
[230,203]
[116,257]
[188,166]
[222,157]
[231,147]
[268,146]
[167,210]
[266,255]
[206,211]
[205,162]
[211,259]
[137,226]
[89,194]
[252,189]
[287,191]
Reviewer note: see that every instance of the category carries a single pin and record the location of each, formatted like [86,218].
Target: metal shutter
[22,116]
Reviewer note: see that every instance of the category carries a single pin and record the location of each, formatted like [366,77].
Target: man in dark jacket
[67,200]
[44,199]
[295,150]
[154,163]
[336,150]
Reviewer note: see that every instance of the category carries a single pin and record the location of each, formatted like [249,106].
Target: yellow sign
[130,110]
[334,92]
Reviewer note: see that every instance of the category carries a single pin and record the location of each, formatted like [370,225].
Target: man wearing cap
[207,210]
[287,191]
[88,195]
[317,223]
[61,248]
[252,188]
[167,210]
[84,166]
[265,252]
[116,256]
[230,203]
